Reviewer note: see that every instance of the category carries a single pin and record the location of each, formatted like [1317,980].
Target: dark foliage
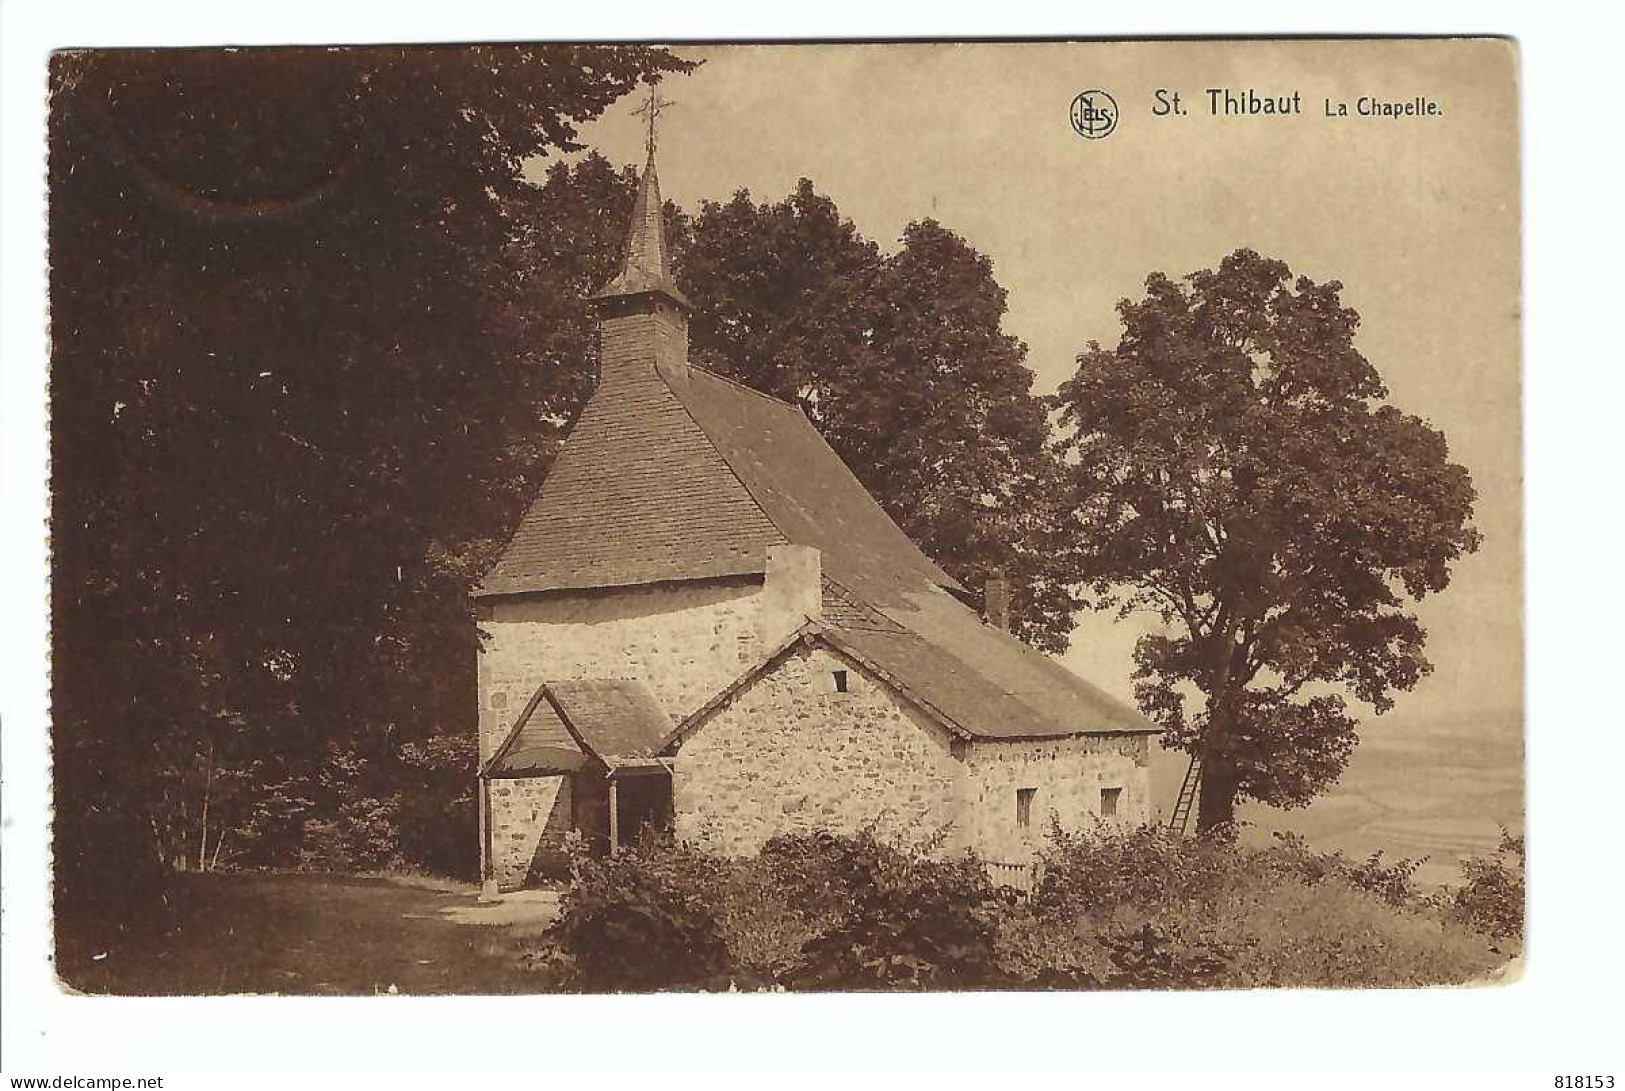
[1492,899]
[645,919]
[1117,909]
[1095,871]
[288,425]
[435,809]
[1143,909]
[1148,958]
[896,919]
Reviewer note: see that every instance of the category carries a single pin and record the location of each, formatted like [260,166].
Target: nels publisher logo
[1094,114]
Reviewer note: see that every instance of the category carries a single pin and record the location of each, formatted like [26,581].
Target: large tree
[289,406]
[1236,468]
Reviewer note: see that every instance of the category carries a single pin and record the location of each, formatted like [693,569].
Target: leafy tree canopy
[1235,467]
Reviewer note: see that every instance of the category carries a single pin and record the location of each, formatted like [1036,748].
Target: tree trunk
[203,832]
[1216,800]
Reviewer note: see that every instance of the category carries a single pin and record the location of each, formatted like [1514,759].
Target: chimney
[996,600]
[792,592]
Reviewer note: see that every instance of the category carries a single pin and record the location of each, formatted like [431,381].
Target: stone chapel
[705,620]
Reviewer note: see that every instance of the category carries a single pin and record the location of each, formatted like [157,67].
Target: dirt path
[317,934]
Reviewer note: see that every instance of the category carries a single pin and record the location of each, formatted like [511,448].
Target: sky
[1417,217]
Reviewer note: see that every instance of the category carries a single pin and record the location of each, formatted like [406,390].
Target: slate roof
[638,494]
[692,477]
[612,718]
[950,648]
[965,700]
[1022,696]
[801,484]
[647,263]
[565,725]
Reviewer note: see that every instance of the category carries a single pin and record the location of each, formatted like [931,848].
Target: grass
[310,934]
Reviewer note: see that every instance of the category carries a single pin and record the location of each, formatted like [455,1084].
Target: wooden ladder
[1181,817]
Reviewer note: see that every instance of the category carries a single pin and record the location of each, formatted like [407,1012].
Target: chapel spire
[646,266]
[642,316]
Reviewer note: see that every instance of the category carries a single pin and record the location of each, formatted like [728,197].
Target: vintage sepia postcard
[1025,515]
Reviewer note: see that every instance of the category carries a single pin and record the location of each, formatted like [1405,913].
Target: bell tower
[642,316]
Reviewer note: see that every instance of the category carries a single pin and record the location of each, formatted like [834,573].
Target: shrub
[1491,901]
[436,807]
[1045,951]
[1393,883]
[898,919]
[644,919]
[363,837]
[551,866]
[1134,909]
[1092,871]
[1149,957]
[765,925]
[1142,909]
[369,833]
[1334,935]
[321,847]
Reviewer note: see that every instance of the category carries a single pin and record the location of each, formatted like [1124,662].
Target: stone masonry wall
[522,812]
[1068,775]
[791,754]
[684,641]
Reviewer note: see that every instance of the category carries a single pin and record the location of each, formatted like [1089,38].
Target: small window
[1024,806]
[1108,801]
[840,681]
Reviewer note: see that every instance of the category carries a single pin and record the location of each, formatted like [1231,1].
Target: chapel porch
[580,757]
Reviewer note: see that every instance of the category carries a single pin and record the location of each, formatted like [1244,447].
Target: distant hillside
[1439,788]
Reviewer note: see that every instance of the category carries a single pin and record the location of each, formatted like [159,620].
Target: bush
[645,918]
[765,924]
[1393,883]
[437,807]
[896,919]
[1492,899]
[1124,909]
[1092,871]
[1143,909]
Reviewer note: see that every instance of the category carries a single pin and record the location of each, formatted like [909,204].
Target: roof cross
[653,109]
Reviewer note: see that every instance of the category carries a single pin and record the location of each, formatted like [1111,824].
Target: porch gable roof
[568,725]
